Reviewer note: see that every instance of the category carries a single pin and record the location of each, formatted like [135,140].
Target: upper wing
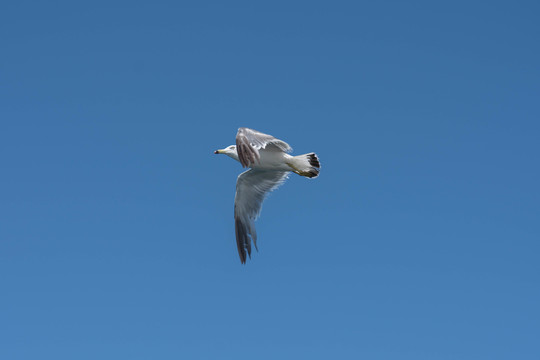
[251,188]
[248,143]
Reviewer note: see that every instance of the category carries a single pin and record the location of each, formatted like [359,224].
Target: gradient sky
[420,239]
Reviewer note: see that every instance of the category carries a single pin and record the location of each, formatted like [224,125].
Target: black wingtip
[241,239]
[314,160]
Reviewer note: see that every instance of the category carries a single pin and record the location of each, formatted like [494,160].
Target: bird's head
[229,150]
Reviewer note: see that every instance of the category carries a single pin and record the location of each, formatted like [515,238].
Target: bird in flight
[270,165]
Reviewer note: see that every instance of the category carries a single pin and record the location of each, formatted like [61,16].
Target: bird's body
[269,159]
[272,160]
[270,166]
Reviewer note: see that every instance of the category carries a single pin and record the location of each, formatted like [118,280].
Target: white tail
[305,165]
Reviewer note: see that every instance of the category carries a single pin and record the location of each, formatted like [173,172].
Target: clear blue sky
[420,239]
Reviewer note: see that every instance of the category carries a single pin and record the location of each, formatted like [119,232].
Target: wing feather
[249,142]
[252,187]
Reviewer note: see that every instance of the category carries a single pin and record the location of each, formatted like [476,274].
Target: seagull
[270,165]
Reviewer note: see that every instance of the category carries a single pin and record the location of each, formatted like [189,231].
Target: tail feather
[307,165]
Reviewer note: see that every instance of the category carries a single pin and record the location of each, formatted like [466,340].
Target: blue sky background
[420,239]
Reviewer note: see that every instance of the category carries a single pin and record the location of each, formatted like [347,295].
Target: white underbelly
[272,160]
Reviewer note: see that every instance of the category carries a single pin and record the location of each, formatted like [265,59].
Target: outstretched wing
[248,143]
[251,189]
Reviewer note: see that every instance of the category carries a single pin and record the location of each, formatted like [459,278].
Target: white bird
[270,166]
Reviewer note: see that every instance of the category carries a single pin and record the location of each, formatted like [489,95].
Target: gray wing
[249,142]
[251,189]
